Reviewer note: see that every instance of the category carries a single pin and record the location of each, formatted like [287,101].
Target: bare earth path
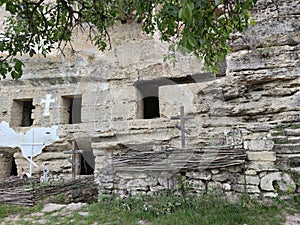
[293,219]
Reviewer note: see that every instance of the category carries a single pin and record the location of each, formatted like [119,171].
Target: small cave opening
[14,169]
[87,163]
[27,121]
[72,104]
[151,107]
[148,100]
[22,112]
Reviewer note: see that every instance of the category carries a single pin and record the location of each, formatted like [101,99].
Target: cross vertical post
[30,166]
[73,160]
[181,127]
[73,153]
[32,145]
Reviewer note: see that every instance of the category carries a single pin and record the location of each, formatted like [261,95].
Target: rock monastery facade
[108,101]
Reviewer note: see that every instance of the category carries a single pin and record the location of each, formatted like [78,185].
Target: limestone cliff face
[257,101]
[265,63]
[128,95]
[97,90]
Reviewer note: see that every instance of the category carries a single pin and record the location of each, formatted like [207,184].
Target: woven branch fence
[31,192]
[212,157]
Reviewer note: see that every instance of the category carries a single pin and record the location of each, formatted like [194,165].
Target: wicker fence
[212,157]
[29,193]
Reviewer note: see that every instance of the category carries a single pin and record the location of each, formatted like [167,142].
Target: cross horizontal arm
[73,152]
[32,144]
[179,117]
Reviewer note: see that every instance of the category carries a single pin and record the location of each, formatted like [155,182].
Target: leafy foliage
[201,27]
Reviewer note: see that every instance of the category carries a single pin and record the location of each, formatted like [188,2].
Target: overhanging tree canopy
[198,26]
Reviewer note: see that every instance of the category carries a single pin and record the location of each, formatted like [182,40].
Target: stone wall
[261,171]
[6,164]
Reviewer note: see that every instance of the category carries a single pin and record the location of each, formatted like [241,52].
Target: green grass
[295,126]
[210,209]
[6,210]
[280,129]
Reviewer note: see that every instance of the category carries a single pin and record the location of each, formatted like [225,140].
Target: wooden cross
[181,127]
[73,160]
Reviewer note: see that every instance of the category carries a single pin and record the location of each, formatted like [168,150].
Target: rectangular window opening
[148,102]
[72,106]
[22,113]
[151,107]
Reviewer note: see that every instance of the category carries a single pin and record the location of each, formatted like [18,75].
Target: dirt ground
[293,219]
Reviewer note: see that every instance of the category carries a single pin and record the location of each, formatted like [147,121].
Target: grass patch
[278,141]
[279,129]
[206,209]
[295,126]
[6,210]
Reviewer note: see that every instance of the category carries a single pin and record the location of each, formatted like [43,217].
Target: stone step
[287,148]
[280,139]
[293,140]
[286,139]
[277,133]
[296,170]
[292,132]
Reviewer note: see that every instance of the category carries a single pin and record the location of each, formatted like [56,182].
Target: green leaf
[18,66]
[180,13]
[187,11]
[14,75]
[32,52]
[191,7]
[3,69]
[252,22]
[192,41]
[10,7]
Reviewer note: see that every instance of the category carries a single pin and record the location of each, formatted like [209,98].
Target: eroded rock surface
[126,98]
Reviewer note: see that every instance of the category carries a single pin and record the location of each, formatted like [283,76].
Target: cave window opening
[85,167]
[148,101]
[22,112]
[151,107]
[14,170]
[27,121]
[72,105]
